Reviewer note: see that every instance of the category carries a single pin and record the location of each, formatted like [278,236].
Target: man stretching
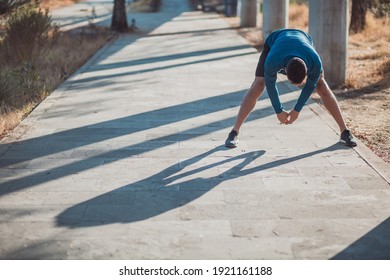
[291,52]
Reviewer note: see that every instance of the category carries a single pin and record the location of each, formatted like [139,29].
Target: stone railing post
[248,13]
[275,16]
[328,26]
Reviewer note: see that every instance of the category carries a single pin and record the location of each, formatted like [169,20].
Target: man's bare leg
[249,101]
[331,104]
[247,105]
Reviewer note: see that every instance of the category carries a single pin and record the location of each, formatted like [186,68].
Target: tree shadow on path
[374,245]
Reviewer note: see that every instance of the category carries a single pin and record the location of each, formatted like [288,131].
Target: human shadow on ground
[159,194]
[374,245]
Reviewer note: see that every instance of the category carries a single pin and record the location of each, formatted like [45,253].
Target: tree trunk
[119,17]
[358,15]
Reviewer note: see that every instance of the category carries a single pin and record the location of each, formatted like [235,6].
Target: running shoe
[232,140]
[348,139]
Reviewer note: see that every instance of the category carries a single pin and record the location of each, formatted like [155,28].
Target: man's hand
[292,116]
[283,117]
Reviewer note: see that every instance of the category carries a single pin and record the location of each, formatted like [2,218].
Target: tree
[119,16]
[358,15]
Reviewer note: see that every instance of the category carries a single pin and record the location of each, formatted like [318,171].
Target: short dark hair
[296,70]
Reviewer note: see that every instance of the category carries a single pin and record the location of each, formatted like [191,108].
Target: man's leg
[331,104]
[249,101]
[247,105]
[250,98]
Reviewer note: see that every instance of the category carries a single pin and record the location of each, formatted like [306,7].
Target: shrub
[27,33]
[19,87]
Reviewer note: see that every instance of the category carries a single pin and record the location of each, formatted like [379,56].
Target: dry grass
[9,118]
[64,59]
[365,96]
[369,54]
[376,29]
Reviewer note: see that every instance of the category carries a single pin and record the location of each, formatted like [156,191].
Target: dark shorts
[260,64]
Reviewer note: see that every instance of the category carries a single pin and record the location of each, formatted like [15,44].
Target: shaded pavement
[125,160]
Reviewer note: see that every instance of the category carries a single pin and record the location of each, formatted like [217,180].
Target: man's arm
[307,90]
[305,94]
[273,93]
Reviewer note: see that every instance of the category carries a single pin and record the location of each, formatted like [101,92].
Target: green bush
[26,36]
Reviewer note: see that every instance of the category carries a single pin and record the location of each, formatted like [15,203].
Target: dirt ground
[365,97]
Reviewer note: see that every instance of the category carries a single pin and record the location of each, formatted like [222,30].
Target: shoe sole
[348,145]
[231,145]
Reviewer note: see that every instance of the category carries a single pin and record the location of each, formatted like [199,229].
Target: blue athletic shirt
[286,44]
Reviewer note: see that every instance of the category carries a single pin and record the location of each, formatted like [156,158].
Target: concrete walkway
[126,161]
[86,12]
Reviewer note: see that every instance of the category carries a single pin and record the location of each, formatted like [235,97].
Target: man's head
[296,71]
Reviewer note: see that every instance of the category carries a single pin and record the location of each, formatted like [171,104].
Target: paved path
[126,161]
[97,12]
